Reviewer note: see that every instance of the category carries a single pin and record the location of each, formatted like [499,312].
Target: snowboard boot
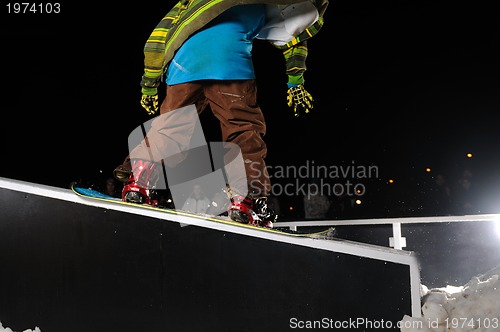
[140,185]
[122,172]
[251,211]
[264,212]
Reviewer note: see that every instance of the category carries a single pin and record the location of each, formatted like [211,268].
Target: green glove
[300,99]
[150,103]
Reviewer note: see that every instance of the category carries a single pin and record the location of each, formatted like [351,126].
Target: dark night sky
[403,85]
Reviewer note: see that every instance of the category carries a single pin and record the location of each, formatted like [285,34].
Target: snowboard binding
[254,212]
[139,187]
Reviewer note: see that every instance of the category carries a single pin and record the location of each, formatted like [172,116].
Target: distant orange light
[428,169]
[358,202]
[291,208]
[469,155]
[391,181]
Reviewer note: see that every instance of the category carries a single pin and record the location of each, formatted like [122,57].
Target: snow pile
[472,307]
[6,329]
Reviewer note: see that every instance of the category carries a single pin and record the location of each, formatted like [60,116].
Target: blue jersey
[222,50]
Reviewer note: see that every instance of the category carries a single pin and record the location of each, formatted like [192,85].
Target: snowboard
[92,194]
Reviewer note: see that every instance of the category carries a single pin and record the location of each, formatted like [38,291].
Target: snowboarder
[202,49]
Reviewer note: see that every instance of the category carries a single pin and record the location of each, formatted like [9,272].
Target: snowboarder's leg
[234,103]
[168,141]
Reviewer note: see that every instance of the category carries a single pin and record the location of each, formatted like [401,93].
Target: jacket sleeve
[155,63]
[295,61]
[295,53]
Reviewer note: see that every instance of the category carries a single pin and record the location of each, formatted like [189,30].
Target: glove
[150,103]
[300,99]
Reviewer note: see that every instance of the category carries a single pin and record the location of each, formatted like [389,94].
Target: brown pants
[234,103]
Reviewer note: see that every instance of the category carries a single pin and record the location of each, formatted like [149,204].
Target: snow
[6,329]
[472,307]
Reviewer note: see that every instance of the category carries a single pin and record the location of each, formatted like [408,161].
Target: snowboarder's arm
[154,52]
[295,60]
[297,95]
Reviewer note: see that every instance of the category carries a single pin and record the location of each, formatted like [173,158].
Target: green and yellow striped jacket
[188,16]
